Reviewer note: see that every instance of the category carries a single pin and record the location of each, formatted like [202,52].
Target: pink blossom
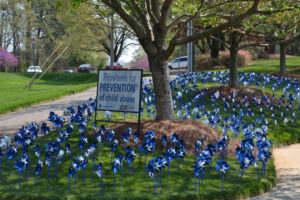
[143,63]
[7,59]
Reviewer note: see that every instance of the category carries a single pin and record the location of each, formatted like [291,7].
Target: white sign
[119,90]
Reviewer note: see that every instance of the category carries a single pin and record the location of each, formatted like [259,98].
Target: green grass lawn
[52,86]
[136,186]
[272,65]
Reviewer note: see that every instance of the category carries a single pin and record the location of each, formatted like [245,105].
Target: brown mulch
[291,76]
[241,91]
[188,131]
[295,70]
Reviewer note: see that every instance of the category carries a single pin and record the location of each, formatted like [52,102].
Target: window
[183,59]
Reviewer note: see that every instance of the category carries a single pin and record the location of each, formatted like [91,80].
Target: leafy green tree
[153,20]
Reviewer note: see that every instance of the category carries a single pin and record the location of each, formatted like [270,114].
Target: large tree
[153,20]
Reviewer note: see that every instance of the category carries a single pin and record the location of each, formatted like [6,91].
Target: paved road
[287,162]
[9,123]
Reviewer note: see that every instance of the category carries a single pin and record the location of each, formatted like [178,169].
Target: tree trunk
[162,90]
[282,58]
[215,46]
[233,81]
[222,38]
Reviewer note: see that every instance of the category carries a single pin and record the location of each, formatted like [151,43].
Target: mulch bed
[291,76]
[241,91]
[188,131]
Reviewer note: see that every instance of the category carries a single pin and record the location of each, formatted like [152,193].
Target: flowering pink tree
[143,63]
[7,59]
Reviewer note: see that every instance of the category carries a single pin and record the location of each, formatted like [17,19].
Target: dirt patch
[291,76]
[241,91]
[188,131]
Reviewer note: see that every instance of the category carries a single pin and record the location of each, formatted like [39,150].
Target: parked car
[34,69]
[86,68]
[181,62]
[69,71]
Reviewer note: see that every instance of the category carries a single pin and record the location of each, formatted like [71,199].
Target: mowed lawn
[52,86]
[273,65]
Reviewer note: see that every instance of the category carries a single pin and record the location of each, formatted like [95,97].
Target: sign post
[119,91]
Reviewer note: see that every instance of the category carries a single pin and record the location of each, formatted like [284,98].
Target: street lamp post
[112,41]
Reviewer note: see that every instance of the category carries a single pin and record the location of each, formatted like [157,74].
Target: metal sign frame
[140,100]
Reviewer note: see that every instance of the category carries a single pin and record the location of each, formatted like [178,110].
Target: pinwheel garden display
[67,142]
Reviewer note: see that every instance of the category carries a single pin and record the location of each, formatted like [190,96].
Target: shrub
[204,62]
[259,53]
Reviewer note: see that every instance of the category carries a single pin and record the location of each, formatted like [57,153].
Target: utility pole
[112,41]
[190,46]
[179,52]
[33,43]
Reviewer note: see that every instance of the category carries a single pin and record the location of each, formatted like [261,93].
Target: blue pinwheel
[110,137]
[171,153]
[120,158]
[150,170]
[136,141]
[82,163]
[45,130]
[33,129]
[174,139]
[164,142]
[91,153]
[82,142]
[37,151]
[150,140]
[125,136]
[221,145]
[129,157]
[38,169]
[72,172]
[160,164]
[146,148]
[82,126]
[59,158]
[108,115]
[180,152]
[115,166]
[5,141]
[21,165]
[198,168]
[198,145]
[52,117]
[68,151]
[69,129]
[51,149]
[99,173]
[99,139]
[222,167]
[11,153]
[95,125]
